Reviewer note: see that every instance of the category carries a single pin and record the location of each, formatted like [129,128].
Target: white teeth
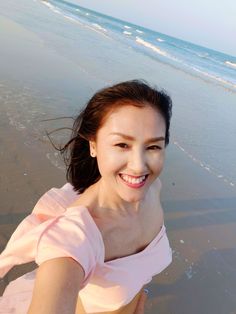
[128,179]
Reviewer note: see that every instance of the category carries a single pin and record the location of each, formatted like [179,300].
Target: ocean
[207,115]
[196,60]
[68,52]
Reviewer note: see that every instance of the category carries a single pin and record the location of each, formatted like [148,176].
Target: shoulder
[70,235]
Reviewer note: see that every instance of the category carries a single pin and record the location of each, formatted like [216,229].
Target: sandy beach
[40,81]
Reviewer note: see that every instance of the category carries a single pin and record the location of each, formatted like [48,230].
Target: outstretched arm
[56,288]
[141,303]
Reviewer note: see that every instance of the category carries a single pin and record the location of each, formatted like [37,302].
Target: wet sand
[199,200]
[26,173]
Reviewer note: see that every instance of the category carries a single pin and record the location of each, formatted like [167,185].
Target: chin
[133,198]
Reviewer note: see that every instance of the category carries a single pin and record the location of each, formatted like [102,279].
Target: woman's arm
[56,288]
[141,303]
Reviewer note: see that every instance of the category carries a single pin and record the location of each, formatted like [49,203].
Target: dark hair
[82,169]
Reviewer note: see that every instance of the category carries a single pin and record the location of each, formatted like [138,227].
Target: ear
[92,147]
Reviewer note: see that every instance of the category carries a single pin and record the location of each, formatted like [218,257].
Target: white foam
[138,31]
[214,77]
[231,64]
[203,55]
[68,17]
[126,26]
[71,19]
[51,7]
[160,40]
[99,27]
[48,4]
[151,46]
[205,166]
[13,122]
[55,10]
[127,33]
[203,73]
[53,158]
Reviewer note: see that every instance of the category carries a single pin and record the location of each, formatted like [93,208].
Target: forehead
[134,120]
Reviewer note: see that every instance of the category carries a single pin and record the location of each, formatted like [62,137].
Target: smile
[133,181]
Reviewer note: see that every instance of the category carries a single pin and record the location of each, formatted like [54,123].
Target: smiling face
[130,149]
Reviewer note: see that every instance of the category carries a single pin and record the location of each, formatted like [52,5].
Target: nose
[137,162]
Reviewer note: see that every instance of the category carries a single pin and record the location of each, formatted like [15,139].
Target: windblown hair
[82,169]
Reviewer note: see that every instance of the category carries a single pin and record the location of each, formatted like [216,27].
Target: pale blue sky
[210,23]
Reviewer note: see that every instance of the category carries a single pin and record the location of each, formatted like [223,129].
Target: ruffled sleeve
[69,236]
[72,234]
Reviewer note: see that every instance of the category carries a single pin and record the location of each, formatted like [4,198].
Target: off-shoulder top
[54,229]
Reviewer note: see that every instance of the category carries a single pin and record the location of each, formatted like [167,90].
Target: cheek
[109,161]
[158,164]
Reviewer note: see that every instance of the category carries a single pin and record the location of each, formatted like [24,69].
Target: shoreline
[199,207]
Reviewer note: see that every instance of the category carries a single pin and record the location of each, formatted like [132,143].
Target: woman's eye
[154,147]
[122,145]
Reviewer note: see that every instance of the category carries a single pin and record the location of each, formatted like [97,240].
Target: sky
[209,23]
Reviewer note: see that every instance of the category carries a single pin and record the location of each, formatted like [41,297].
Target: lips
[132,181]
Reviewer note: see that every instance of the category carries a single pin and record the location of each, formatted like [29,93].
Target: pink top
[54,229]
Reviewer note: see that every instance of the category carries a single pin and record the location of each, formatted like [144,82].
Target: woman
[100,238]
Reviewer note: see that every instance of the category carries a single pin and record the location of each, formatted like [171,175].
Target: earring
[92,154]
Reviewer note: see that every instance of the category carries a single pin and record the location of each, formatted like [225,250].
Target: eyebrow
[131,138]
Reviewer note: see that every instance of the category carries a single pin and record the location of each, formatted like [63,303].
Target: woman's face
[130,149]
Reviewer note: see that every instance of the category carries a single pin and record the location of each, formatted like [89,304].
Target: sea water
[204,128]
[196,60]
[71,52]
